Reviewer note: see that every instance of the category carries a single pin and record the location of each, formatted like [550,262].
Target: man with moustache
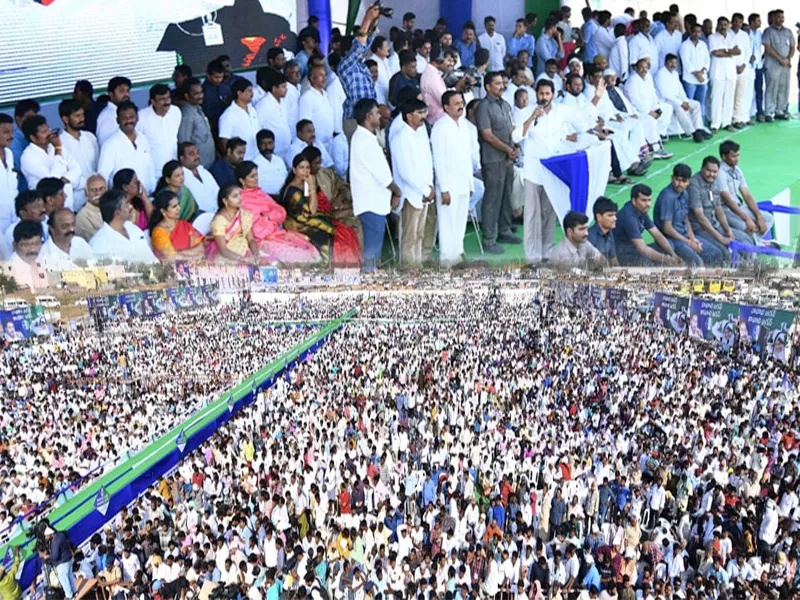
[128,149]
[119,92]
[24,261]
[80,144]
[63,248]
[89,220]
[195,126]
[29,206]
[272,171]
[200,182]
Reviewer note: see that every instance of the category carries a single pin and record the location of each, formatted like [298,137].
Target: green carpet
[770,153]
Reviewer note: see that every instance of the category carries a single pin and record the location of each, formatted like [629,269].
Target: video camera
[385,11]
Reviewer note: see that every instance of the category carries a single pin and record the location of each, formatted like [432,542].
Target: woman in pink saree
[268,216]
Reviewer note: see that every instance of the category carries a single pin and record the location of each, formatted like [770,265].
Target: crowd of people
[304,165]
[454,445]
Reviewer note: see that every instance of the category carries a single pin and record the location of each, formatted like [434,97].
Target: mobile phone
[56,131]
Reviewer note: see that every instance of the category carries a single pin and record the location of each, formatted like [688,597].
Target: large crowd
[304,164]
[465,445]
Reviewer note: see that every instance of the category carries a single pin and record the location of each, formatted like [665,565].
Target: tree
[8,284]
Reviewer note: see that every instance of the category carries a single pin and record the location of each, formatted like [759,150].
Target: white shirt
[382,85]
[641,46]
[108,243]
[422,62]
[8,237]
[546,137]
[496,45]
[667,43]
[292,105]
[412,164]
[316,107]
[85,150]
[8,190]
[370,176]
[54,258]
[618,59]
[337,98]
[580,112]
[558,85]
[340,153]
[120,153]
[106,123]
[298,146]
[271,174]
[722,67]
[241,123]
[695,58]
[162,134]
[604,40]
[36,164]
[669,87]
[742,39]
[205,189]
[642,92]
[452,156]
[272,115]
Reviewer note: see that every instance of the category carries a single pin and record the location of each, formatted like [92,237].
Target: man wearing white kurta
[374,191]
[668,41]
[118,238]
[628,131]
[412,165]
[272,171]
[618,59]
[316,106]
[271,112]
[546,133]
[641,46]
[200,182]
[63,247]
[722,46]
[119,91]
[8,177]
[745,76]
[45,157]
[160,123]
[495,43]
[127,149]
[452,161]
[696,62]
[306,136]
[641,91]
[80,145]
[240,119]
[687,112]
[380,54]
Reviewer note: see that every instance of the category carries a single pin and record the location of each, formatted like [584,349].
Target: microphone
[543,105]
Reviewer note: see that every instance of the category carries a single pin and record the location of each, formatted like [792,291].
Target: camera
[385,11]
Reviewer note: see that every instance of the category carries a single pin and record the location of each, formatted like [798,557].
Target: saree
[187,203]
[268,217]
[335,241]
[167,244]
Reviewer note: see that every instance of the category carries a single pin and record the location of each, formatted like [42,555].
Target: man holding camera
[353,73]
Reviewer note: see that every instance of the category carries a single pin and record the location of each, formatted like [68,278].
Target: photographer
[60,557]
[353,73]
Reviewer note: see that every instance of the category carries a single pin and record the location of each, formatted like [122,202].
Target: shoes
[730,128]
[739,125]
[698,137]
[514,228]
[662,154]
[641,168]
[509,239]
[760,118]
[493,248]
[768,119]
[714,131]
[750,123]
[783,117]
[706,133]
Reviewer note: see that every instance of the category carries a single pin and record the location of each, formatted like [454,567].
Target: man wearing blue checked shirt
[354,74]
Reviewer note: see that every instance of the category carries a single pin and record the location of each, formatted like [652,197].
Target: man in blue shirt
[309,44]
[549,45]
[428,491]
[587,31]
[23,110]
[354,74]
[224,167]
[632,221]
[467,45]
[671,216]
[601,234]
[521,40]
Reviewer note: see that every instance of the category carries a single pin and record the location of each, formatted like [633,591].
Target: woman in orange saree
[172,237]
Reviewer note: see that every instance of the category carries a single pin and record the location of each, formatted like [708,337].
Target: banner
[671,312]
[21,323]
[714,321]
[617,301]
[262,277]
[765,328]
[150,303]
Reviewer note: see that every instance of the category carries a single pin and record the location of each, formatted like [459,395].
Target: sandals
[621,180]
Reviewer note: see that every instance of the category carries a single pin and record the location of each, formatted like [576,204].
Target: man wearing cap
[61,559]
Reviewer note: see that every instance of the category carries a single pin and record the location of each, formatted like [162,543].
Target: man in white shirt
[24,259]
[63,248]
[159,123]
[618,60]
[272,171]
[240,119]
[374,191]
[271,111]
[380,54]
[545,133]
[119,91]
[8,177]
[669,41]
[641,45]
[413,167]
[127,149]
[80,145]
[722,46]
[604,37]
[519,80]
[45,157]
[551,73]
[28,206]
[306,136]
[641,91]
[745,76]
[200,182]
[687,112]
[494,42]
[118,238]
[316,106]
[452,161]
[292,98]
[696,62]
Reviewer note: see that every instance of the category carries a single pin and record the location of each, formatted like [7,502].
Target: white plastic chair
[203,223]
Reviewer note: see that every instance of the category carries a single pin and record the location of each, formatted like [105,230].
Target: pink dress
[268,217]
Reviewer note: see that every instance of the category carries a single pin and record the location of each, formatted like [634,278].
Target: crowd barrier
[98,502]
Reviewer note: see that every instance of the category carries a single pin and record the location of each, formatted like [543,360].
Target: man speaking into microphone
[545,133]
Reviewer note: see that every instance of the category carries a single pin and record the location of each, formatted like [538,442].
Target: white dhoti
[539,223]
[720,102]
[517,191]
[452,220]
[743,95]
[628,140]
[690,120]
[650,126]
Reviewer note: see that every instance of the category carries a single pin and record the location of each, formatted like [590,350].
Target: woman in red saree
[309,211]
[288,247]
[172,237]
